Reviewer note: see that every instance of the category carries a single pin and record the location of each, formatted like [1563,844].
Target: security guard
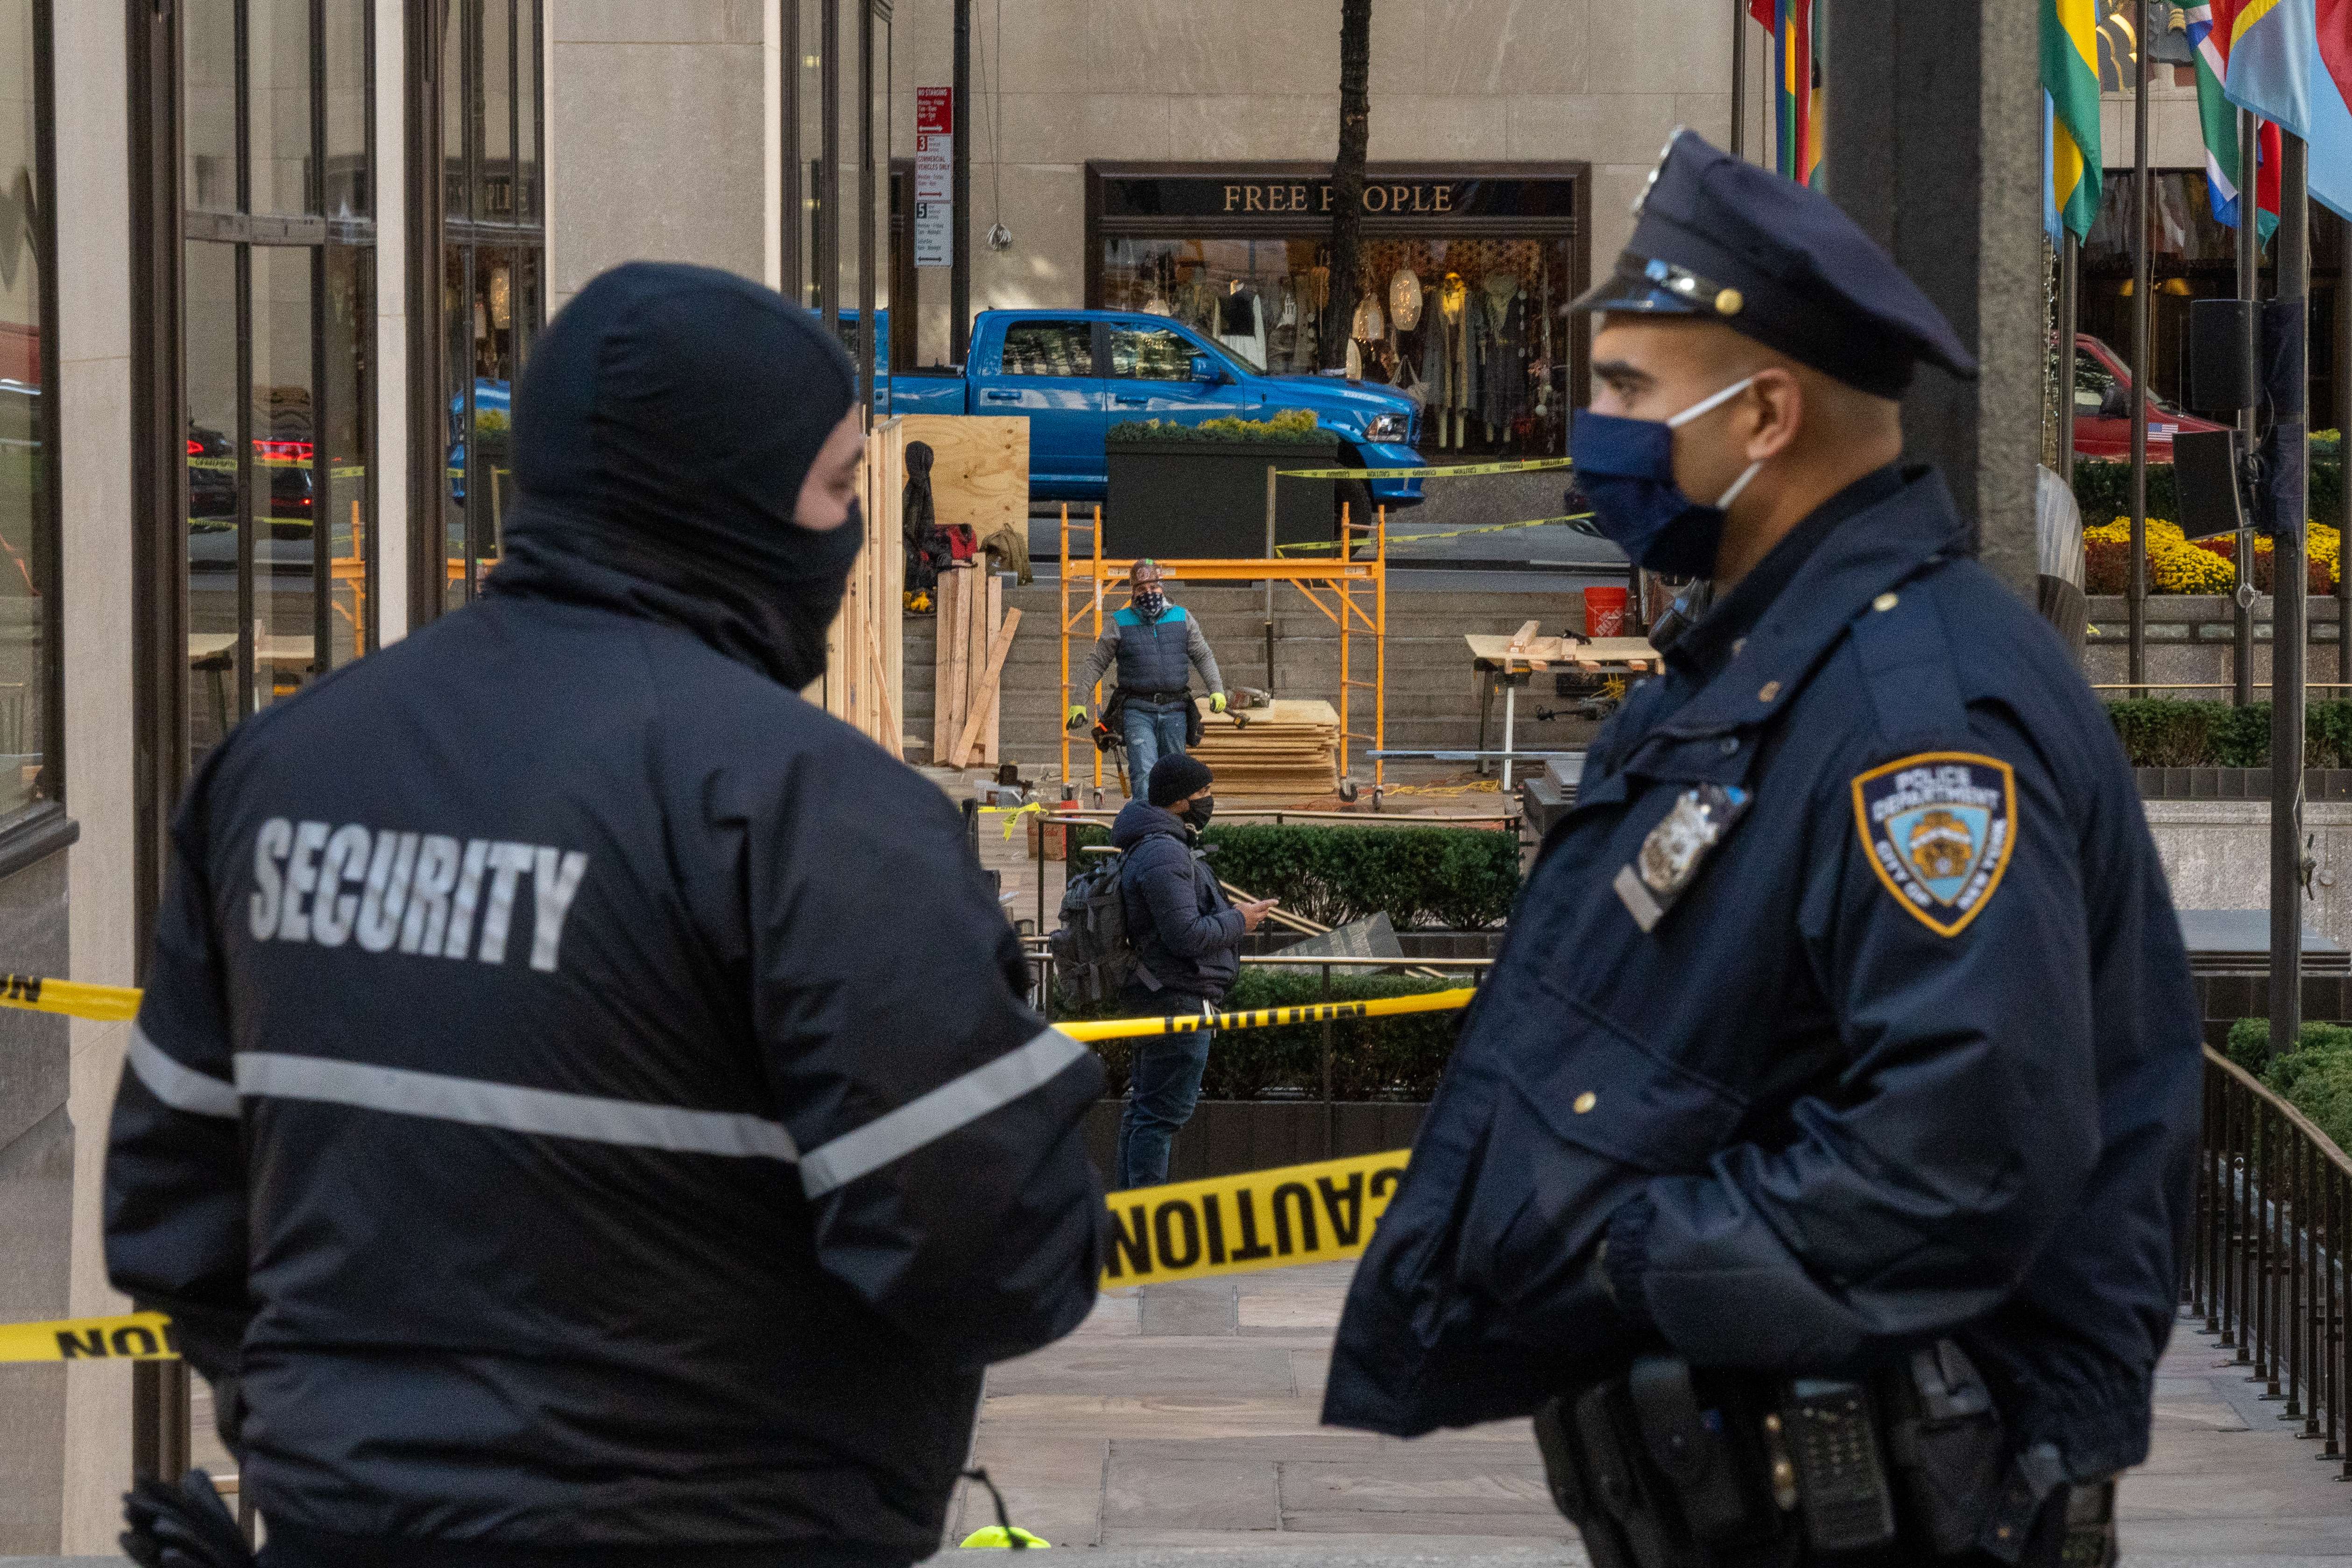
[1816,1161]
[584,1109]
[1151,641]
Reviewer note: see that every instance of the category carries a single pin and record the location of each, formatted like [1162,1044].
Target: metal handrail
[2265,1265]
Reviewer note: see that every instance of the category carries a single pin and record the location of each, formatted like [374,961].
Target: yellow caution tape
[106,1003]
[1292,1215]
[1446,471]
[1397,541]
[1012,813]
[1271,1017]
[133,1336]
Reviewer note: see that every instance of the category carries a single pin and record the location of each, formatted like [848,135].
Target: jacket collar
[1872,552]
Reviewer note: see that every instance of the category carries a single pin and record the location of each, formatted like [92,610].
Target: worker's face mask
[1627,467]
[1149,601]
[812,596]
[1201,808]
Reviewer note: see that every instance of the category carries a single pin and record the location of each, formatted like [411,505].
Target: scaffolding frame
[1353,594]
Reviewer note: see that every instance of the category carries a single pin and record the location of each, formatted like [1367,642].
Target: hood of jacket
[1140,819]
[661,431]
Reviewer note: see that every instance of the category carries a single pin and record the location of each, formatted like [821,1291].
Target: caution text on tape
[1281,1218]
[1271,1017]
[1429,471]
[130,1336]
[106,1003]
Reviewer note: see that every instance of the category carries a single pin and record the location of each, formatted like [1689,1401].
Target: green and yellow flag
[2070,75]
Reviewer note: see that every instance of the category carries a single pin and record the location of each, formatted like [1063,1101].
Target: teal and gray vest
[1152,656]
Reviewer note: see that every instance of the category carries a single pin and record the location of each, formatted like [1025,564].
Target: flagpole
[2250,220]
[1738,79]
[2070,264]
[2289,509]
[2137,604]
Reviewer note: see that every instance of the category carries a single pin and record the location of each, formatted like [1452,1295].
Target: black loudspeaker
[2205,474]
[2220,376]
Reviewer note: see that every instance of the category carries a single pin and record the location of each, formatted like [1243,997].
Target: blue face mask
[1626,467]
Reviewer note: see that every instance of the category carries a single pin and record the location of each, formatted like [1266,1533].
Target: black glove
[187,1526]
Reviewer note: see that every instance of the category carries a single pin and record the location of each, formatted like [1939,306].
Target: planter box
[1229,1136]
[1206,500]
[2237,784]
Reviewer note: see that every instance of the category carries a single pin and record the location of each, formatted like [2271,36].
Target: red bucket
[1604,611]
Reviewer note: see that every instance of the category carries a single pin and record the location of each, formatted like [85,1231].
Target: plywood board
[992,679]
[1629,653]
[863,684]
[979,467]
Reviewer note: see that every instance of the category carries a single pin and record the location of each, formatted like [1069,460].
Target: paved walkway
[1186,1416]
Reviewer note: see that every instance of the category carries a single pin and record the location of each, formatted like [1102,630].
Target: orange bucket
[1604,611]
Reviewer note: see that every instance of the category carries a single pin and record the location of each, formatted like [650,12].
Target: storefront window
[493,242]
[279,308]
[27,424]
[1462,280]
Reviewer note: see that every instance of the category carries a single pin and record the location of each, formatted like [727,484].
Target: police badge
[1938,827]
[1670,856]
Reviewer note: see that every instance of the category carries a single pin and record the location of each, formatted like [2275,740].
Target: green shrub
[2250,1043]
[2315,1077]
[2160,732]
[1455,877]
[1292,425]
[1372,1058]
[2102,485]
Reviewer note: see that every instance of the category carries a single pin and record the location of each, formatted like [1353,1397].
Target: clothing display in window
[1240,325]
[1502,351]
[1370,326]
[1446,348]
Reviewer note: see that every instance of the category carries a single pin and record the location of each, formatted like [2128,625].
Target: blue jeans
[1154,730]
[1163,1085]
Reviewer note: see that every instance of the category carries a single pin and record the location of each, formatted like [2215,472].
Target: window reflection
[25,466]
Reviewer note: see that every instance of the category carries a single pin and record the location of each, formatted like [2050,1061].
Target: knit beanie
[1176,775]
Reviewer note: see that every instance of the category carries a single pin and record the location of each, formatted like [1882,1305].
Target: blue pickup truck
[1075,373]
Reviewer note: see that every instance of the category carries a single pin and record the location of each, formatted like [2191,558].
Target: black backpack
[1093,957]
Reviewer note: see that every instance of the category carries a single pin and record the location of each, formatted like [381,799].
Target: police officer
[1841,1064]
[532,1123]
[1152,641]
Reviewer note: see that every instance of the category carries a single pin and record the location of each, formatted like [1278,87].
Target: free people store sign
[1310,197]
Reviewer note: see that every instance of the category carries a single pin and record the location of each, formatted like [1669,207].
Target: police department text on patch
[1938,827]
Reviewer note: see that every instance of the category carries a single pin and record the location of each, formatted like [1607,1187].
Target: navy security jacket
[585,1091]
[1909,1050]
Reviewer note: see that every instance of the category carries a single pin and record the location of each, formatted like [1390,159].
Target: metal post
[1270,483]
[1094,696]
[2290,507]
[2136,605]
[2069,271]
[2249,288]
[2344,448]
[1738,79]
[828,174]
[868,295]
[1331,1112]
[1061,583]
[959,201]
[1380,653]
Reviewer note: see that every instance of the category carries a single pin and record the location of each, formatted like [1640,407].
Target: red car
[2103,407]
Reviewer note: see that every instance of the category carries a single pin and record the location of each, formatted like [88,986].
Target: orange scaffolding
[1352,594]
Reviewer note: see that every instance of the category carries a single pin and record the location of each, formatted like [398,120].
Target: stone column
[1934,147]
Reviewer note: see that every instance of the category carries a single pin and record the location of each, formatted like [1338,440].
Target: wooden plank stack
[863,682]
[1290,751]
[975,634]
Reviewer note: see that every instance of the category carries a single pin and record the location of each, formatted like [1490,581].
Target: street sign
[934,176]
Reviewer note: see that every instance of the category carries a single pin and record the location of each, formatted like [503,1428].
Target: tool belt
[1665,1466]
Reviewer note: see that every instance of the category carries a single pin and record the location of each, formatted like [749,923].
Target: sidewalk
[1185,1417]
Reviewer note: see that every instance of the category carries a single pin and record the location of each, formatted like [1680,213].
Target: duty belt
[1133,695]
[1668,1467]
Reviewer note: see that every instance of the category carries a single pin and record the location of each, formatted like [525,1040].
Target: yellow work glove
[1216,701]
[1077,718]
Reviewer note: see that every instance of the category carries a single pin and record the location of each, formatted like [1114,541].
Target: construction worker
[1816,1162]
[1152,641]
[584,1108]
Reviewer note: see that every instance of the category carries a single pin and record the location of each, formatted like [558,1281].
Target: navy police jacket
[583,1094]
[1848,1004]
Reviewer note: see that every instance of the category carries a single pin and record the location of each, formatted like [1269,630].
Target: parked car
[2103,407]
[1075,373]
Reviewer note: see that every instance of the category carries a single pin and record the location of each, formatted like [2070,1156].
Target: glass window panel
[457,338]
[527,47]
[350,188]
[284,472]
[24,459]
[209,318]
[1049,348]
[349,439]
[277,105]
[208,103]
[846,158]
[1150,353]
[455,187]
[494,94]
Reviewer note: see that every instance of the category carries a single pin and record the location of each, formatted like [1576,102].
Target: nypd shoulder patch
[1938,827]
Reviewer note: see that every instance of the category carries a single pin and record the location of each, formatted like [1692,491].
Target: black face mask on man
[1201,808]
[1150,602]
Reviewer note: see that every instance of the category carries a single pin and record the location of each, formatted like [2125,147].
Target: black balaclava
[661,434]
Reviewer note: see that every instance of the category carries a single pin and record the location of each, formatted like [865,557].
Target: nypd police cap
[1717,238]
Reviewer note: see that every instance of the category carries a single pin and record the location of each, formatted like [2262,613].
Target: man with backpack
[1186,936]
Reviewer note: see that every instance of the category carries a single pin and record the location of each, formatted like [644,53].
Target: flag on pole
[2291,62]
[2070,75]
[2052,224]
[1796,86]
[2209,39]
